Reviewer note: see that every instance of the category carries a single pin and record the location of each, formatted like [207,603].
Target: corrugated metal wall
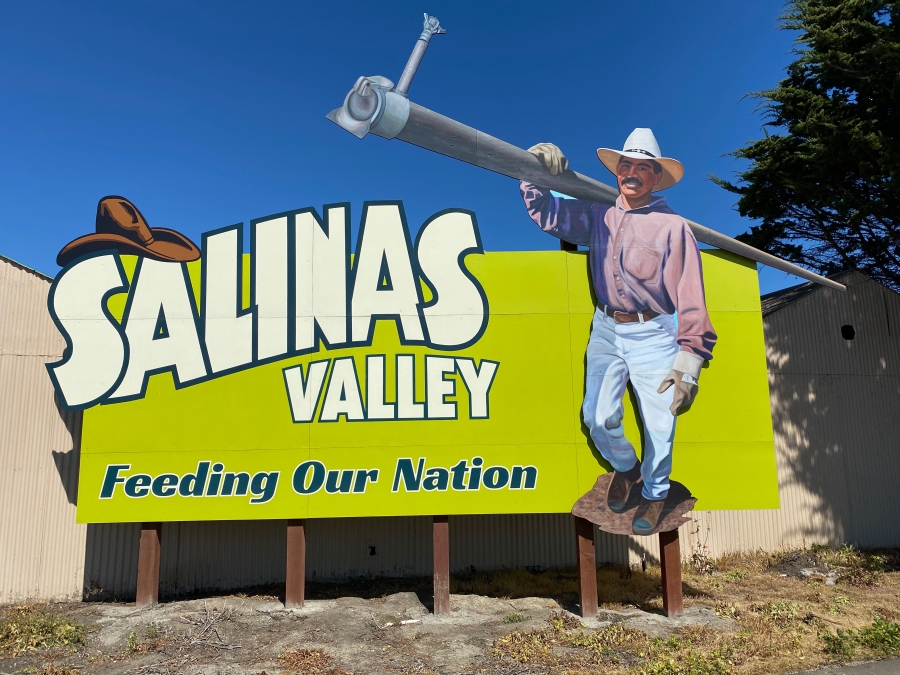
[835,415]
[41,548]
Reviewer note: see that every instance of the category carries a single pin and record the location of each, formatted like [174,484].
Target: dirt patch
[741,617]
[793,565]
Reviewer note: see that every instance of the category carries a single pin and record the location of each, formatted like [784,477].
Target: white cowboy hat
[641,144]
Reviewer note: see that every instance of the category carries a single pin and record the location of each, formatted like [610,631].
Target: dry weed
[516,583]
[696,650]
[617,586]
[204,635]
[205,631]
[53,669]
[154,640]
[783,623]
[537,646]
[614,643]
[525,646]
[26,628]
[637,588]
[859,568]
[309,662]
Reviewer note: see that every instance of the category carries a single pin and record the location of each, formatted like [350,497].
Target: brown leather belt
[627,317]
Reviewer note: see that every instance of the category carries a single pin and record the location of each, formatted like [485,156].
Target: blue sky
[209,114]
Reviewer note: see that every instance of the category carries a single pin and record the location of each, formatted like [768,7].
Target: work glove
[551,157]
[685,389]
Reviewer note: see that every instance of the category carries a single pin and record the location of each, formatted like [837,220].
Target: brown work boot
[620,487]
[647,515]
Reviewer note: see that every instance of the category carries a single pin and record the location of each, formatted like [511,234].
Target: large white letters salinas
[301,286]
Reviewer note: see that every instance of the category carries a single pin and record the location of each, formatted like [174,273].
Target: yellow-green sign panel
[473,408]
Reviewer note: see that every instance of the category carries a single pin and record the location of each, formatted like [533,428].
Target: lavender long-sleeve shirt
[646,258]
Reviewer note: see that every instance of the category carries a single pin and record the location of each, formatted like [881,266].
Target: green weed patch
[26,629]
[882,638]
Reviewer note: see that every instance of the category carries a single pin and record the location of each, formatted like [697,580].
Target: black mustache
[633,180]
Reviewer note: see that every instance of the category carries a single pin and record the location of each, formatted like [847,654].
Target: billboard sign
[409,376]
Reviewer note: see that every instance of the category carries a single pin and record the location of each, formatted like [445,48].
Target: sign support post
[295,575]
[670,564]
[441,548]
[587,566]
[148,565]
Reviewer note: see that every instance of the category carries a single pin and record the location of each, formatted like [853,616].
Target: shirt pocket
[642,262]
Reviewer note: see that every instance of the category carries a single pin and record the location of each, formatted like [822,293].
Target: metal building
[41,548]
[834,375]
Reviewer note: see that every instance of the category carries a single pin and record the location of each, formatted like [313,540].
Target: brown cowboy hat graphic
[122,227]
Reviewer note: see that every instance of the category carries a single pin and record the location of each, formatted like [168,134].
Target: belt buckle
[616,316]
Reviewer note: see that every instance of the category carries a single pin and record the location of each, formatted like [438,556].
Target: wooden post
[441,548]
[587,566]
[148,565]
[670,562]
[295,575]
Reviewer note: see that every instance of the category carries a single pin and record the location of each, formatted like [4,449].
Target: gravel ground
[393,634]
[752,614]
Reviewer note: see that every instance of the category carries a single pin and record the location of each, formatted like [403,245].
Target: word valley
[343,393]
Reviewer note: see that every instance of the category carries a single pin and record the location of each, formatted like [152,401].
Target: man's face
[636,177]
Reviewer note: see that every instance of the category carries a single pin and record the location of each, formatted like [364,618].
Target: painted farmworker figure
[650,325]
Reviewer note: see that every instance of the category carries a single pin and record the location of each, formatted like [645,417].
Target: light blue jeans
[643,353]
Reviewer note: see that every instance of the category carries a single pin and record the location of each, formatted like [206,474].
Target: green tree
[825,180]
